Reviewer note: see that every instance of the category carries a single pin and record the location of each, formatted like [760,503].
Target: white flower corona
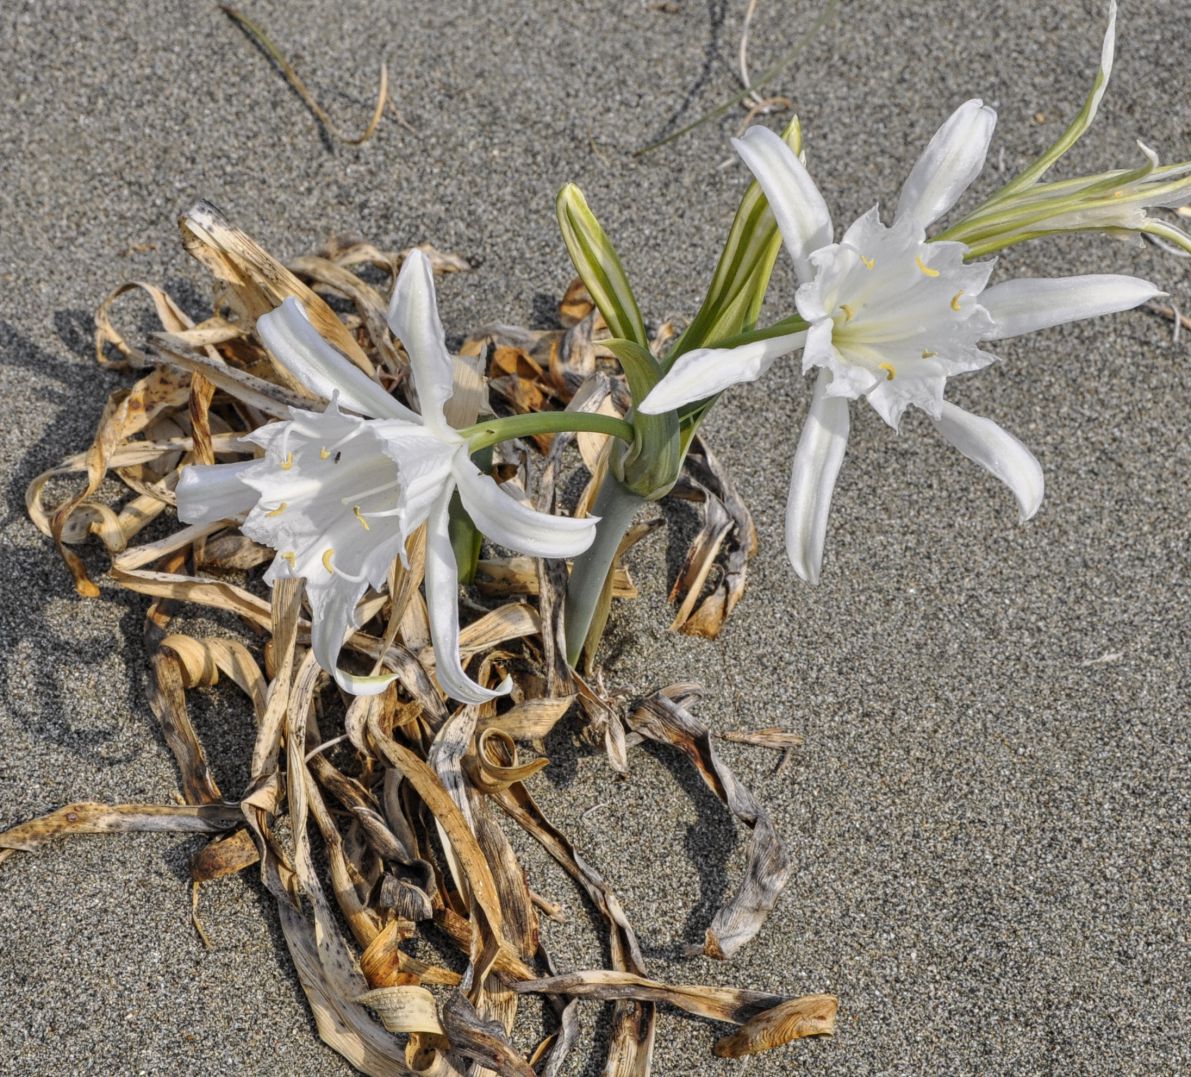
[890,317]
[337,495]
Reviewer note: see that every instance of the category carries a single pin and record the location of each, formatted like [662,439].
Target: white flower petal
[208,493]
[812,480]
[798,207]
[413,317]
[951,161]
[442,602]
[1029,304]
[508,522]
[303,351]
[333,607]
[706,371]
[996,450]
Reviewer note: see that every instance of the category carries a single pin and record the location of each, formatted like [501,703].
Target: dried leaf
[664,719]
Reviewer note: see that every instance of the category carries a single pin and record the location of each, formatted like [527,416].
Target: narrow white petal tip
[948,165]
[798,207]
[996,450]
[816,467]
[363,686]
[1027,305]
[704,372]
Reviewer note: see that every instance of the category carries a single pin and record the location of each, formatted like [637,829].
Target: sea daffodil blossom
[337,494]
[890,316]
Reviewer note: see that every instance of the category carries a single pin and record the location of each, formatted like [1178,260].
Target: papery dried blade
[224,856]
[126,414]
[403,1008]
[700,558]
[232,551]
[780,740]
[172,317]
[273,399]
[87,817]
[555,1048]
[604,726]
[661,719]
[342,1023]
[633,1023]
[386,965]
[488,923]
[505,623]
[370,305]
[255,282]
[484,1041]
[573,361]
[167,701]
[813,1015]
[729,1004]
[737,545]
[576,304]
[531,720]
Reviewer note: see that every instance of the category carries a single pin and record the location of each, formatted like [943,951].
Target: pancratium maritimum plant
[338,493]
[360,491]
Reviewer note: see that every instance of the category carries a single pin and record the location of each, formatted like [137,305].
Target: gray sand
[990,814]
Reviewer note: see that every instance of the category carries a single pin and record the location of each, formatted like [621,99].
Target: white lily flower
[338,494]
[890,317]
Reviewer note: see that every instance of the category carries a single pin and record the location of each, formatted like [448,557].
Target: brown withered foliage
[373,821]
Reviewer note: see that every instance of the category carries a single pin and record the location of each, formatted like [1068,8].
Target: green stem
[489,433]
[616,507]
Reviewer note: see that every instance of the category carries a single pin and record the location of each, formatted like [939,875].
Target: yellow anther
[360,517]
[323,453]
[292,558]
[869,263]
[889,371]
[1118,194]
[288,462]
[928,355]
[327,558]
[279,510]
[955,300]
[924,268]
[849,313]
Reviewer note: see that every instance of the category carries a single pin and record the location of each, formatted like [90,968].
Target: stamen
[323,453]
[279,510]
[928,355]
[849,313]
[1118,194]
[292,558]
[354,432]
[360,517]
[889,371]
[869,263]
[368,493]
[924,268]
[955,300]
[288,462]
[327,558]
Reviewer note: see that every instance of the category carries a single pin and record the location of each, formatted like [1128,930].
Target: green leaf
[598,265]
[741,277]
[1078,126]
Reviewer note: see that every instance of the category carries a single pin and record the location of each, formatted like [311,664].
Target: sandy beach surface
[989,818]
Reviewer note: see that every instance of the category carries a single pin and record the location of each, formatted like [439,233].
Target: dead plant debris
[403,798]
